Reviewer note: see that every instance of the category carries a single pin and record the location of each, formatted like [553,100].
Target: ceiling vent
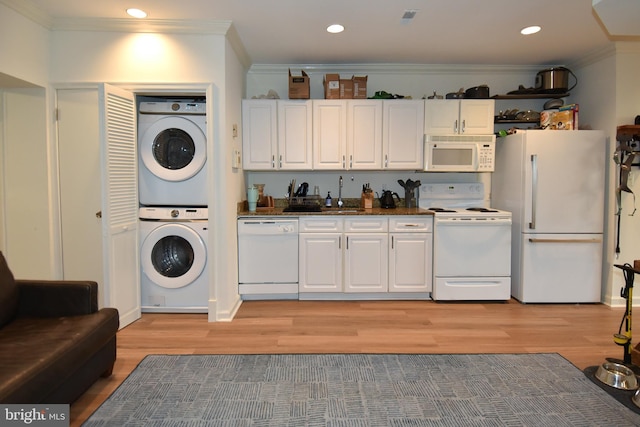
[408,15]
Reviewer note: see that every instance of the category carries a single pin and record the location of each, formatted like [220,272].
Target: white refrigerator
[553,182]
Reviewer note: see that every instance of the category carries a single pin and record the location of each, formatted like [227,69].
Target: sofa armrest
[53,298]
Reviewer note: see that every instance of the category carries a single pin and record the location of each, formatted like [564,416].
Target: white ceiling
[442,32]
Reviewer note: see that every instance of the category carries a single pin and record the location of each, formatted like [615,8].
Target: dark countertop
[278,211]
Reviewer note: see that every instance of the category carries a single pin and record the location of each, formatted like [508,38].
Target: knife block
[366,200]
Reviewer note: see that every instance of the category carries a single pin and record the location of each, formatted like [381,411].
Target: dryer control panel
[169,107]
[173,213]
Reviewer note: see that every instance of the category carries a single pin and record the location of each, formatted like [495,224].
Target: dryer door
[174,148]
[173,255]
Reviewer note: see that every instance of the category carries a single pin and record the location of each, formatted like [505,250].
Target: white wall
[416,81]
[609,96]
[627,106]
[25,233]
[27,238]
[227,192]
[24,48]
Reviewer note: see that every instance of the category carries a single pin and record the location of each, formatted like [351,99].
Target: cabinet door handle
[99,214]
[464,126]
[386,160]
[340,242]
[392,241]
[455,126]
[351,161]
[344,161]
[280,165]
[273,162]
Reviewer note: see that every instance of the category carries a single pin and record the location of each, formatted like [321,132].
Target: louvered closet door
[120,202]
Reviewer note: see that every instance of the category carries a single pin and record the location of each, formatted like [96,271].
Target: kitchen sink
[342,210]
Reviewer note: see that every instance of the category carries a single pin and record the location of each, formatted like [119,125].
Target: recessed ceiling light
[335,28]
[137,13]
[530,30]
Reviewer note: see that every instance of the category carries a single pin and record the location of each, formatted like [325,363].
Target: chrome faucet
[340,202]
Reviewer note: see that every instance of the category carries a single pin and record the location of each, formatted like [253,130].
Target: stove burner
[440,210]
[481,210]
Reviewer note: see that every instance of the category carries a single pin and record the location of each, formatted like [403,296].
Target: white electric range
[471,243]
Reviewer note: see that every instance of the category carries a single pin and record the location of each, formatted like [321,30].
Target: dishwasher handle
[267,227]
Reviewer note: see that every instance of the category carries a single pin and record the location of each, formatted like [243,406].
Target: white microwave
[459,153]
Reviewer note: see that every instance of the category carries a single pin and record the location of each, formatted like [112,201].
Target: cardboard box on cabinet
[332,86]
[346,89]
[299,86]
[359,87]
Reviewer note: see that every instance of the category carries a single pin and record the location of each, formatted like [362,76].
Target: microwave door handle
[476,158]
[534,189]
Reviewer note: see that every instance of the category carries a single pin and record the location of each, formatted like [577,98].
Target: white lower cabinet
[410,254]
[365,254]
[320,254]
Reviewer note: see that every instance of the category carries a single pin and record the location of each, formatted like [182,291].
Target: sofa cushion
[39,354]
[8,293]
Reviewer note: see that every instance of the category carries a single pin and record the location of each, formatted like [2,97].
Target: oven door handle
[451,222]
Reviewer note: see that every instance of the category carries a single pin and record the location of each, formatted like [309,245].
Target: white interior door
[80,189]
[120,201]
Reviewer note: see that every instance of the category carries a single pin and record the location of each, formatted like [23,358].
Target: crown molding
[236,44]
[594,57]
[30,11]
[419,69]
[141,26]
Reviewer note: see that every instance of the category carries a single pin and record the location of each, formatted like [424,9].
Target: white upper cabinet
[295,135]
[459,116]
[364,134]
[324,134]
[347,134]
[276,135]
[403,134]
[259,134]
[329,134]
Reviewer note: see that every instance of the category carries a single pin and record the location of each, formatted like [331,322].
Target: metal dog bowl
[636,398]
[617,375]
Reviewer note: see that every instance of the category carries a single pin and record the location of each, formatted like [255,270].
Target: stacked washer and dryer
[172,187]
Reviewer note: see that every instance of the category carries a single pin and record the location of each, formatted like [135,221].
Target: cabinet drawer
[366,224]
[411,224]
[320,224]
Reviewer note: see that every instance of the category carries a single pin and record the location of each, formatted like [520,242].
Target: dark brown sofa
[54,341]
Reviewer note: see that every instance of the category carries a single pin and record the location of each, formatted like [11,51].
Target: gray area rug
[360,390]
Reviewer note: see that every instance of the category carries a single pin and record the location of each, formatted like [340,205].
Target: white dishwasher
[268,258]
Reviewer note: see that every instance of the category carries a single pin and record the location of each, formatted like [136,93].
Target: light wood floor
[583,334]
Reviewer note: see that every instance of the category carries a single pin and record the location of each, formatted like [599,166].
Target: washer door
[173,256]
[173,148]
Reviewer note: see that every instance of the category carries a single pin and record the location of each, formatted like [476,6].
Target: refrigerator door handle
[534,240]
[534,189]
